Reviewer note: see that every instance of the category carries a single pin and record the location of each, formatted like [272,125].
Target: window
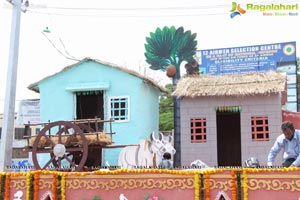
[198,130]
[119,108]
[19,153]
[260,128]
[19,133]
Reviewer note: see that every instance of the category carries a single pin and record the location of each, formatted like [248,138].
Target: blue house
[92,88]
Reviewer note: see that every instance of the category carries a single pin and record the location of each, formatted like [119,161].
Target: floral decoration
[29,189]
[202,186]
[245,185]
[233,185]
[239,185]
[63,186]
[197,187]
[2,186]
[7,187]
[207,187]
[239,181]
[54,186]
[152,197]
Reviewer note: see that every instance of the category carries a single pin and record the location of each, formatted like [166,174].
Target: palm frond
[186,47]
[169,46]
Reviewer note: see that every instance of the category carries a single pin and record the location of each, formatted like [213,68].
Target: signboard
[236,60]
[29,111]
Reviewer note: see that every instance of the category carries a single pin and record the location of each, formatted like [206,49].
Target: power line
[62,43]
[161,8]
[111,15]
[68,56]
[145,12]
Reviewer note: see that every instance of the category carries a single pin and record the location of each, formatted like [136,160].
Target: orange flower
[233,185]
[36,186]
[7,187]
[207,187]
[54,183]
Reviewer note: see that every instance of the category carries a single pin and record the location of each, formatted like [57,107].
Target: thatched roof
[35,86]
[231,85]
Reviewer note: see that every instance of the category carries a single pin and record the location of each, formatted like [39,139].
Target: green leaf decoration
[96,198]
[170,46]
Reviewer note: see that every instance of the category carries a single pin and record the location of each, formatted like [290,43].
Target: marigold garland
[202,186]
[233,185]
[207,187]
[201,180]
[36,186]
[28,187]
[58,182]
[245,185]
[239,185]
[63,186]
[2,186]
[197,187]
[54,186]
[7,187]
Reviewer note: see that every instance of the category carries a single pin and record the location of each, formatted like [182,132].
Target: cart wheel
[62,141]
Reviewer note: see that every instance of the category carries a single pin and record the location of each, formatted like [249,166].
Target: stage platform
[154,184]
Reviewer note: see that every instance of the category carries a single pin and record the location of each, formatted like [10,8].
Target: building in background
[21,160]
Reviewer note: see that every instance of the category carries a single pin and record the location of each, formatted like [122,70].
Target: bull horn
[161,136]
[152,136]
[170,138]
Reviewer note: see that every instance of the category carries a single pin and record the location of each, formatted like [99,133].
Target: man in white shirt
[289,141]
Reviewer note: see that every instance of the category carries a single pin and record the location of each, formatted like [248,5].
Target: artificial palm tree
[169,47]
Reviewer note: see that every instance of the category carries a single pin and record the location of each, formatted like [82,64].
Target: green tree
[170,46]
[166,47]
[166,111]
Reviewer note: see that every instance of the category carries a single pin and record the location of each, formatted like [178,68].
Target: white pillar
[10,94]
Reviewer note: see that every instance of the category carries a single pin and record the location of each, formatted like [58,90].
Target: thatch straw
[231,85]
[92,139]
[35,86]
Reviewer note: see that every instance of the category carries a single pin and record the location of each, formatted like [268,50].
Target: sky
[115,31]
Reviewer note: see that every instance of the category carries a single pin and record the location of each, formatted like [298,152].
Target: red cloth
[291,116]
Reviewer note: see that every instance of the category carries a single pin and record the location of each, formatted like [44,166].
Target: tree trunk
[177,135]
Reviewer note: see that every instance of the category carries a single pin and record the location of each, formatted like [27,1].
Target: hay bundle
[97,138]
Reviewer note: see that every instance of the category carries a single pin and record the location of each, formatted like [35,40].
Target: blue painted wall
[59,103]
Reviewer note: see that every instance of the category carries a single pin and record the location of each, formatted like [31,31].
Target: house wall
[204,107]
[59,103]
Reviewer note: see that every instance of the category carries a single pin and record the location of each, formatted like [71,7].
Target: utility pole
[10,94]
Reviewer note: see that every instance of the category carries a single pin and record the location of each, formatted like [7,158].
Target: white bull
[142,155]
[167,141]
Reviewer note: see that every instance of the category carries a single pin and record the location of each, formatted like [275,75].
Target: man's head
[288,129]
[167,156]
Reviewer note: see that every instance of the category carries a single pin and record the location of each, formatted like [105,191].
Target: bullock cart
[69,145]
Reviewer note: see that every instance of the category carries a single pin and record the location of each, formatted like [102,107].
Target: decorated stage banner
[236,60]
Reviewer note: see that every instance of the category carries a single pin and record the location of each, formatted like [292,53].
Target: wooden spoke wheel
[63,141]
